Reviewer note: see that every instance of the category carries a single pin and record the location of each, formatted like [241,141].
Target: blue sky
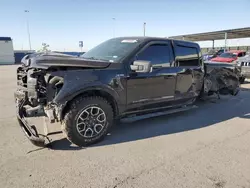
[62,23]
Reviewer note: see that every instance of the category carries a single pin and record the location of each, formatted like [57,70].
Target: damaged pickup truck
[121,77]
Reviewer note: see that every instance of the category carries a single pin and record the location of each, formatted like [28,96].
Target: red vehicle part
[229,57]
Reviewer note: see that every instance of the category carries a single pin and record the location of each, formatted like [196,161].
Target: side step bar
[166,112]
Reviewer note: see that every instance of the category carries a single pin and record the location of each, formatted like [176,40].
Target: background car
[213,53]
[229,56]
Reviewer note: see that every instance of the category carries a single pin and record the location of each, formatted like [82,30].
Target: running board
[156,114]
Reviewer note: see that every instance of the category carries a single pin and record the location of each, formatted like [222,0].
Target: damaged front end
[34,94]
[28,105]
[42,89]
[36,89]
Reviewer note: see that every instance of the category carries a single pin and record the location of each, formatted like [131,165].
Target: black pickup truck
[120,77]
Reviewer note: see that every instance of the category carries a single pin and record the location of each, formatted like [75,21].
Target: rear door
[189,67]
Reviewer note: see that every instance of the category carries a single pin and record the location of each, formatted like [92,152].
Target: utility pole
[28,29]
[225,40]
[113,26]
[144,29]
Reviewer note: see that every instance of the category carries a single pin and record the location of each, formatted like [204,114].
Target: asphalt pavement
[205,147]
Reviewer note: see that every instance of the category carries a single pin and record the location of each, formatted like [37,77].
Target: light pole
[113,27]
[144,29]
[28,29]
[81,45]
[225,40]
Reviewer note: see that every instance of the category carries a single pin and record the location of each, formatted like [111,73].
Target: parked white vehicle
[244,63]
[6,51]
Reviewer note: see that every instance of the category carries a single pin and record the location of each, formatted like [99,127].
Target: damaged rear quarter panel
[221,77]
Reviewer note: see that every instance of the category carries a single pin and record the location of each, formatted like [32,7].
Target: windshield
[228,55]
[112,50]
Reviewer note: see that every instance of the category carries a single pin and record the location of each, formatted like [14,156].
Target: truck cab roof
[148,39]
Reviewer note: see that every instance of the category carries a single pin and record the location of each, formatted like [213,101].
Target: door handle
[169,76]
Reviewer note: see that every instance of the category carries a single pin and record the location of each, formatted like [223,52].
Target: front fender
[79,81]
[68,93]
[76,82]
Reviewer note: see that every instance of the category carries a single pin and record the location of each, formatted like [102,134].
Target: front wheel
[88,120]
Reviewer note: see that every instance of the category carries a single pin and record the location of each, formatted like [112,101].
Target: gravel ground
[205,147]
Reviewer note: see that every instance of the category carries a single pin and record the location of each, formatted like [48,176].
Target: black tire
[69,124]
[242,80]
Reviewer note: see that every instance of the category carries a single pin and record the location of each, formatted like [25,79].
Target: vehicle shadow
[207,114]
[63,144]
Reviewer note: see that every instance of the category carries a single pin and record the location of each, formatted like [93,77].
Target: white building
[6,51]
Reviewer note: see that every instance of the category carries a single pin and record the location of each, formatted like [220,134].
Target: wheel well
[111,100]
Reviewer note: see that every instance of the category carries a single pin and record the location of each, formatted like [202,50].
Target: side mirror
[141,66]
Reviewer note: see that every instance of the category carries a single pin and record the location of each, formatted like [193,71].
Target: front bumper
[30,131]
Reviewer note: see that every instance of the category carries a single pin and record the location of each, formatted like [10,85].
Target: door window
[186,56]
[157,54]
[241,54]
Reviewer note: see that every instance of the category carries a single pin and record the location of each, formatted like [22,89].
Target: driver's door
[145,90]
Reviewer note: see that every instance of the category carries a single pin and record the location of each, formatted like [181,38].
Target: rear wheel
[88,120]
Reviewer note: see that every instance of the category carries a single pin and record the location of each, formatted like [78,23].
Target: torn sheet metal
[221,78]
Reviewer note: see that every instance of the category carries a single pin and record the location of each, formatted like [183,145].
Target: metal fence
[246,48]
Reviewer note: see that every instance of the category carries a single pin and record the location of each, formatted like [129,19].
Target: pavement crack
[121,182]
[217,182]
[38,149]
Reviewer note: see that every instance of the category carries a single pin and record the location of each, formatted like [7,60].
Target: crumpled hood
[47,60]
[222,59]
